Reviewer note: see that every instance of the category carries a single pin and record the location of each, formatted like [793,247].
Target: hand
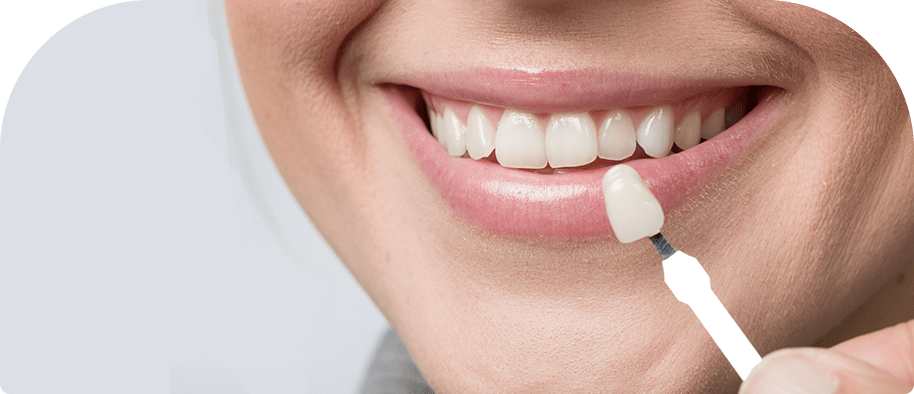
[878,362]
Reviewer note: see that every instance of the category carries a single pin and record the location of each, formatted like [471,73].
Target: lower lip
[521,204]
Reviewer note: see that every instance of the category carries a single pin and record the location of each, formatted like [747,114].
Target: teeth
[571,140]
[455,133]
[713,125]
[633,211]
[655,133]
[437,125]
[519,141]
[688,132]
[617,136]
[480,134]
[433,120]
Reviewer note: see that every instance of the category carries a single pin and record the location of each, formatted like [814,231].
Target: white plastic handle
[691,285]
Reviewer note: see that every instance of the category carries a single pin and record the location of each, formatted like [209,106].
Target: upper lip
[563,91]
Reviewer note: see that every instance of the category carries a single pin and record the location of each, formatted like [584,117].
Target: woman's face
[504,279]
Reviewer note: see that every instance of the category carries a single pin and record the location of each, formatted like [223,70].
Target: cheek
[835,168]
[286,54]
[303,35]
[825,210]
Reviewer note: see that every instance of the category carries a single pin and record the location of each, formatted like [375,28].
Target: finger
[890,349]
[820,371]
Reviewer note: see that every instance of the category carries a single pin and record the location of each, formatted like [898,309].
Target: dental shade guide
[634,213]
[691,285]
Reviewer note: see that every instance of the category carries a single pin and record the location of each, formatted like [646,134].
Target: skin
[795,235]
[878,362]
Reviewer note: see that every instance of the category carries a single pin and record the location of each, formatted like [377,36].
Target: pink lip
[522,204]
[558,91]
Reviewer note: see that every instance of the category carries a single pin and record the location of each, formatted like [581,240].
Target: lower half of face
[451,152]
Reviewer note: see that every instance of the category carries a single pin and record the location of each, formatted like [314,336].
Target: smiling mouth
[559,143]
[512,158]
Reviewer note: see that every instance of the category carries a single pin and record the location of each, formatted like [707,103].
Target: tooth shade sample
[455,133]
[480,134]
[633,211]
[617,138]
[655,133]
[571,140]
[519,141]
[713,125]
[688,131]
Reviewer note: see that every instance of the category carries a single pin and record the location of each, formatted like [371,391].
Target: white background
[147,242]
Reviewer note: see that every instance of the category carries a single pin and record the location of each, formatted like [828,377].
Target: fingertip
[817,370]
[790,371]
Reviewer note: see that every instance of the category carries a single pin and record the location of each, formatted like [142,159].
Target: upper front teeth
[480,134]
[521,140]
[571,140]
[655,133]
[617,136]
[455,133]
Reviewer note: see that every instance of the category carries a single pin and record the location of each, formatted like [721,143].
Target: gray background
[147,243]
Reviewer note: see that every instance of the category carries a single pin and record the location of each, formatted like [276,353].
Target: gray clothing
[391,369]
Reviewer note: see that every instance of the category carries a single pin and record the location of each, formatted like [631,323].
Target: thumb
[819,371]
[879,362]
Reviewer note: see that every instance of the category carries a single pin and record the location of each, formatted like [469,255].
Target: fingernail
[790,373]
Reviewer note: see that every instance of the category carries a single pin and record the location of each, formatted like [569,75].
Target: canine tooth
[713,125]
[688,131]
[633,211]
[519,141]
[455,133]
[433,122]
[437,124]
[480,134]
[617,137]
[571,140]
[655,133]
